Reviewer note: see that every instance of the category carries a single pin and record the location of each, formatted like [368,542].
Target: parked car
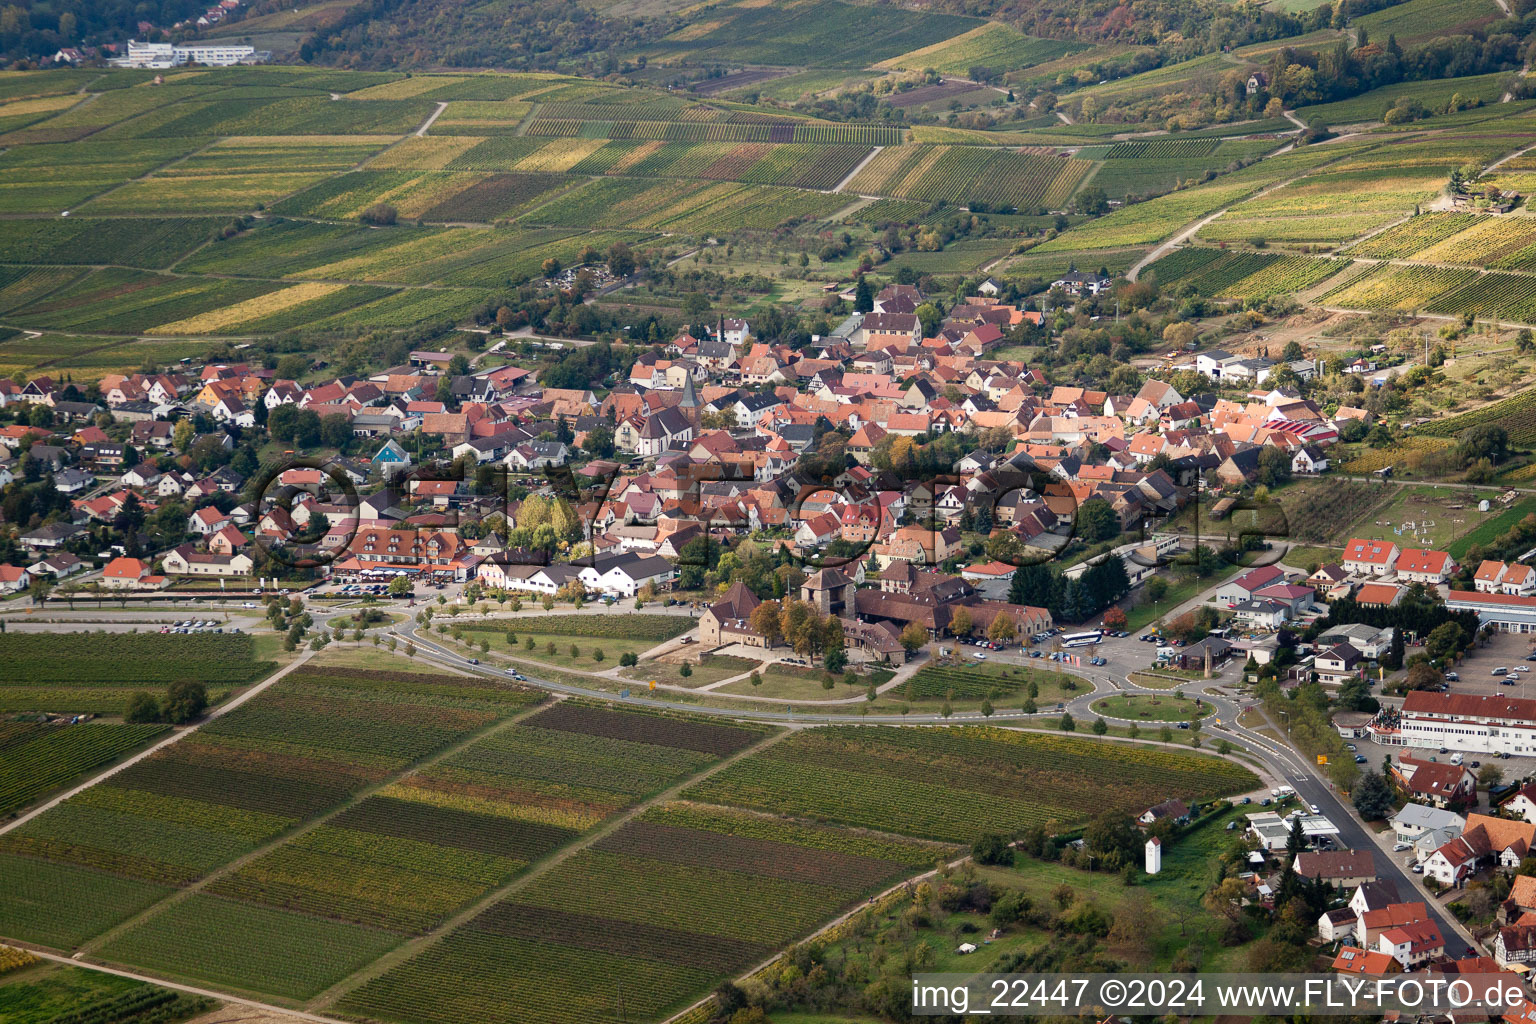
[1359,759]
[1453,677]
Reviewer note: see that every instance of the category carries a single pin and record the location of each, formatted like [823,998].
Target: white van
[1456,760]
[1501,671]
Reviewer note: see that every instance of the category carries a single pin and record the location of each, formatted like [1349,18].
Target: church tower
[690,405]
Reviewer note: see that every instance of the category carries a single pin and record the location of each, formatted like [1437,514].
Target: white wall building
[167,55]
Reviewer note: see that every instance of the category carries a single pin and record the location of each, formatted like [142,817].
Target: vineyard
[1324,514]
[1000,178]
[1162,149]
[1403,289]
[66,672]
[1498,296]
[673,902]
[301,748]
[1225,274]
[408,857]
[76,995]
[953,784]
[1499,243]
[253,949]
[1413,235]
[975,682]
[35,759]
[678,205]
[1517,415]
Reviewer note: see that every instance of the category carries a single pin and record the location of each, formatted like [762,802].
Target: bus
[1088,639]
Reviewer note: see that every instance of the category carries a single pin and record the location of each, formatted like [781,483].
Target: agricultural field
[237,174]
[53,992]
[64,673]
[953,784]
[1491,296]
[1150,167]
[991,45]
[997,178]
[465,257]
[815,34]
[1516,414]
[54,178]
[36,758]
[675,901]
[1370,106]
[1420,19]
[1223,274]
[1413,236]
[1150,222]
[1319,512]
[400,861]
[302,748]
[683,206]
[1397,288]
[152,244]
[132,301]
[1494,243]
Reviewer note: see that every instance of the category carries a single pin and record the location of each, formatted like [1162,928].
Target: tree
[142,707]
[863,297]
[1068,723]
[1002,629]
[1155,588]
[960,623]
[1115,618]
[685,670]
[1423,676]
[765,622]
[183,435]
[913,638]
[621,260]
[399,586]
[1096,521]
[1372,796]
[1274,466]
[991,848]
[184,701]
[379,214]
[1446,638]
[1100,727]
[1490,776]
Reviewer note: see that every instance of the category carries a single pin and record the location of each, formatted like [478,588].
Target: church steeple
[690,403]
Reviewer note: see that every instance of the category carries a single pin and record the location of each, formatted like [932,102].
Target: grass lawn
[1151,709]
[712,671]
[1430,517]
[1491,526]
[963,678]
[783,682]
[585,645]
[1300,556]
[1181,587]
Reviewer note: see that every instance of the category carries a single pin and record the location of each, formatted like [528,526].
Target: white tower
[1154,855]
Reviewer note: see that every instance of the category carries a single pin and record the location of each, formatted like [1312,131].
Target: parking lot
[1507,651]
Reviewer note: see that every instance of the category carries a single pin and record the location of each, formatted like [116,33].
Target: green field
[957,783]
[676,900]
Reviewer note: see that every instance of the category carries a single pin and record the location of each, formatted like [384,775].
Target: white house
[625,573]
[1420,565]
[1309,458]
[1370,557]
